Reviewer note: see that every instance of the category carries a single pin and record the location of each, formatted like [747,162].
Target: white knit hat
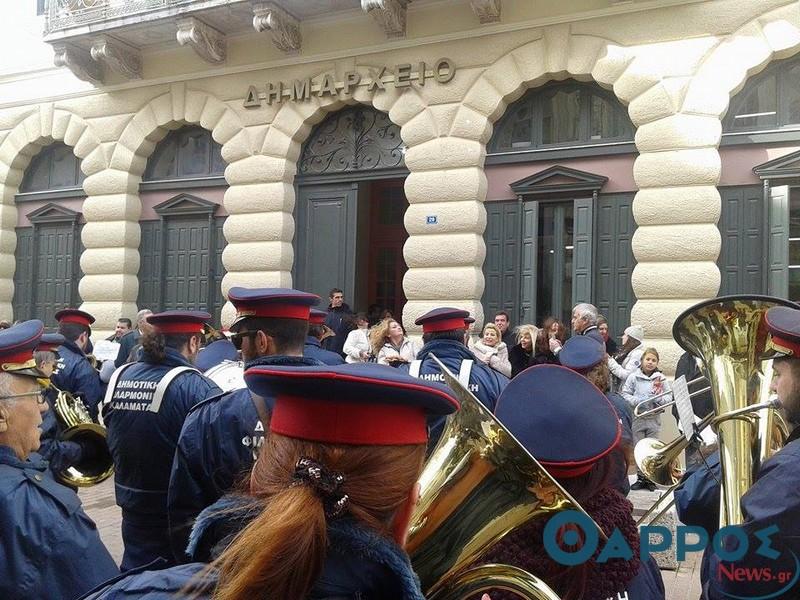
[636,332]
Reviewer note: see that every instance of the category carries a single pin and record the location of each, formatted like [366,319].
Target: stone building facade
[673,65]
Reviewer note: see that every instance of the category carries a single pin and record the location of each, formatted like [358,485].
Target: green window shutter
[582,252]
[528,263]
[778,278]
[741,227]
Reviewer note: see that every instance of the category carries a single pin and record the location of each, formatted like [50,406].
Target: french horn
[478,485]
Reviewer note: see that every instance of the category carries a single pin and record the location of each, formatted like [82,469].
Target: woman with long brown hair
[327,505]
[390,345]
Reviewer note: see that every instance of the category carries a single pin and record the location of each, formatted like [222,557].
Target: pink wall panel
[738,162]
[26,208]
[152,199]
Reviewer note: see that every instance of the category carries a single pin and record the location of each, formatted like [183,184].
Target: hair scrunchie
[326,483]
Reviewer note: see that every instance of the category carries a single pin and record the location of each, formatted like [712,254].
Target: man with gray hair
[584,322]
[131,339]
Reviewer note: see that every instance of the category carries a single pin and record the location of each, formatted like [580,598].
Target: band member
[317,333]
[145,406]
[49,548]
[443,333]
[587,356]
[574,433]
[220,439]
[74,373]
[329,501]
[772,502]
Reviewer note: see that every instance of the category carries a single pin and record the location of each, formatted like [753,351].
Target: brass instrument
[478,485]
[729,335]
[79,427]
[662,407]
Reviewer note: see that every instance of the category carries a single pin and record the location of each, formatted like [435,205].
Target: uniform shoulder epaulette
[209,400]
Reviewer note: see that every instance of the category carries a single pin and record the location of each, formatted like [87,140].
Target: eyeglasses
[237,338]
[41,396]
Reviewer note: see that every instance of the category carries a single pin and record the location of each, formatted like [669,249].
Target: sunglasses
[237,338]
[41,396]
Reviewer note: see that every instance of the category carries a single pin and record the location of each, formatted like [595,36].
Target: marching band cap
[543,402]
[179,321]
[468,321]
[215,354]
[365,404]
[73,315]
[581,353]
[49,342]
[280,303]
[443,319]
[17,344]
[317,317]
[783,324]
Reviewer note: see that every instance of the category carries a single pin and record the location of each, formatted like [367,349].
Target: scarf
[523,548]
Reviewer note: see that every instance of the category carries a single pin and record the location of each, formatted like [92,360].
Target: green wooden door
[613,259]
[741,228]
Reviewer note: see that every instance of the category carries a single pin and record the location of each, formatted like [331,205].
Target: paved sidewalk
[98,501]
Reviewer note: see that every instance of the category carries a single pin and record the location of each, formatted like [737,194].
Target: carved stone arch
[26,139]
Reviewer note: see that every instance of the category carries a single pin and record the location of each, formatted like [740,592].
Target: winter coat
[519,359]
[127,343]
[142,437]
[621,371]
[218,443]
[314,350]
[357,342]
[494,356]
[359,563]
[407,352]
[73,373]
[49,547]
[772,501]
[338,319]
[639,388]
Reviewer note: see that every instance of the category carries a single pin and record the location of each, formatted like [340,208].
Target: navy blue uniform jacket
[74,374]
[773,500]
[49,547]
[142,441]
[217,446]
[313,349]
[59,455]
[484,382]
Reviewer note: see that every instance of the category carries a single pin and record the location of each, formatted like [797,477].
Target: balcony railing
[64,14]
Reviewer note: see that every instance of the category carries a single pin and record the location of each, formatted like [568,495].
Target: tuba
[477,486]
[729,335]
[79,427]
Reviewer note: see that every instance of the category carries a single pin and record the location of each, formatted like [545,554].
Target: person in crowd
[58,453]
[339,321]
[215,354]
[640,387]
[390,345]
[443,331]
[610,343]
[4,324]
[503,323]
[124,325]
[584,464]
[326,510]
[772,502]
[552,335]
[629,358]
[492,351]
[702,402]
[357,347]
[221,438]
[584,355]
[584,318]
[74,373]
[318,332]
[49,548]
[131,340]
[521,355]
[144,409]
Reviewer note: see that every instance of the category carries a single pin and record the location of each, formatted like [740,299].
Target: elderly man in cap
[144,409]
[49,548]
[74,373]
[221,437]
[771,506]
[444,335]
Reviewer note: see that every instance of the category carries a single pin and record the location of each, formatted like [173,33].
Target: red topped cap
[73,315]
[278,303]
[443,319]
[49,342]
[317,317]
[173,322]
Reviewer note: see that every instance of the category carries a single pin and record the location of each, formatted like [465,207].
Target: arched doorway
[182,219]
[350,209]
[48,230]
